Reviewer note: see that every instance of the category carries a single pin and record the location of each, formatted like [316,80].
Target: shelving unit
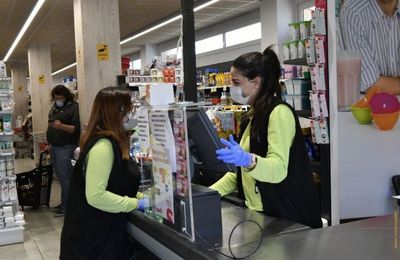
[11,221]
[213,87]
[299,62]
[319,91]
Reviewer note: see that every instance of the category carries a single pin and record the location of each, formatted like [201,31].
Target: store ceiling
[54,24]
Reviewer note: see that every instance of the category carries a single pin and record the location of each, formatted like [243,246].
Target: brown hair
[61,90]
[110,105]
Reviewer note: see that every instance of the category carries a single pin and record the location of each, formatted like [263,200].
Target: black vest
[296,197]
[90,233]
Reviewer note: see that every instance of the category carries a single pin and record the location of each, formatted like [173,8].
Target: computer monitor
[203,142]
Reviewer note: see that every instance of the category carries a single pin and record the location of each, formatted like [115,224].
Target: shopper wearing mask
[104,183]
[274,174]
[63,133]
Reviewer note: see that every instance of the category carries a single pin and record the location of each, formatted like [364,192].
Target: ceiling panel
[54,24]
[13,14]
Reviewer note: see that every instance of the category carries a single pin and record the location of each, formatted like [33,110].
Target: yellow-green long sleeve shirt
[99,166]
[272,168]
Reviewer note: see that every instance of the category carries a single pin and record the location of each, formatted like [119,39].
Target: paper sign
[161,94]
[102,52]
[41,79]
[143,129]
[162,133]
[163,186]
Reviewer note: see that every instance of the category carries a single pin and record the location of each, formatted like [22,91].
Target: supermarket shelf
[214,87]
[284,80]
[133,84]
[299,62]
[6,93]
[4,154]
[5,79]
[6,133]
[6,112]
[8,203]
[11,235]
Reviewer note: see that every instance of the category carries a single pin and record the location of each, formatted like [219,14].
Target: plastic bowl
[362,115]
[384,103]
[386,121]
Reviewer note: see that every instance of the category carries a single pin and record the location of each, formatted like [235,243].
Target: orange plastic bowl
[386,121]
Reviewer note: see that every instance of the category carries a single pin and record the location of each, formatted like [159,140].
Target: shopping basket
[34,186]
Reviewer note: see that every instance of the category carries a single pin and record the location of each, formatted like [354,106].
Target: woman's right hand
[143,204]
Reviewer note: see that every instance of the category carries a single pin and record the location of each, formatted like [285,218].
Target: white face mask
[237,95]
[59,103]
[129,122]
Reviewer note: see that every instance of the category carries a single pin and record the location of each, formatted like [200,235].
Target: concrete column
[98,51]
[275,17]
[19,73]
[41,83]
[147,53]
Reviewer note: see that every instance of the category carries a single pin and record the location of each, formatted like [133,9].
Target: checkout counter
[373,238]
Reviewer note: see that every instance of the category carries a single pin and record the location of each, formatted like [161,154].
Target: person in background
[372,27]
[63,133]
[274,175]
[104,183]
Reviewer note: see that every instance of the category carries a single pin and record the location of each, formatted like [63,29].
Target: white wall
[275,18]
[135,56]
[226,54]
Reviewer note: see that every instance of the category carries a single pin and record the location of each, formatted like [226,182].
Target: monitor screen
[203,142]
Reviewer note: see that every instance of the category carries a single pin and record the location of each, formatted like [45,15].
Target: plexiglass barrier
[164,161]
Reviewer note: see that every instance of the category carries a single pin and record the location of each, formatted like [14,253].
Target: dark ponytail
[265,65]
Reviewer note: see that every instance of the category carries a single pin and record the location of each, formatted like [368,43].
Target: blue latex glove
[234,154]
[143,204]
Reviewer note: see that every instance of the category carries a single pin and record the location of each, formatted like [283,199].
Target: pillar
[274,27]
[98,52]
[188,49]
[147,53]
[40,80]
[19,74]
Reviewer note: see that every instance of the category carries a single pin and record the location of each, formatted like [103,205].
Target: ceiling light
[24,28]
[65,68]
[173,19]
[204,5]
[155,27]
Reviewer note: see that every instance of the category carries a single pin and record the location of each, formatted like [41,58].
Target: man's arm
[388,84]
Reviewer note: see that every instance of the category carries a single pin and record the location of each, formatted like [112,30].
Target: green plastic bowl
[362,115]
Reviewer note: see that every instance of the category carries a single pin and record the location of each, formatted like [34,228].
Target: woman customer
[63,133]
[274,173]
[104,183]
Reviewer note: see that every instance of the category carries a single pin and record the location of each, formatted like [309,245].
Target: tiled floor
[43,230]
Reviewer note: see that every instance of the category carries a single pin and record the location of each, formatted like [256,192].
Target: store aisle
[43,230]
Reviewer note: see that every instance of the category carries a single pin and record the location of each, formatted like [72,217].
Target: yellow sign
[41,79]
[102,52]
[20,89]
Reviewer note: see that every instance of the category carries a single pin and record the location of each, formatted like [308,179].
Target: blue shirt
[367,29]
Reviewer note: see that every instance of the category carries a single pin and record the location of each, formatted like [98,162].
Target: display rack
[11,220]
[317,59]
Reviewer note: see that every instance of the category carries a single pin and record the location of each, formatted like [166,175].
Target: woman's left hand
[233,154]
